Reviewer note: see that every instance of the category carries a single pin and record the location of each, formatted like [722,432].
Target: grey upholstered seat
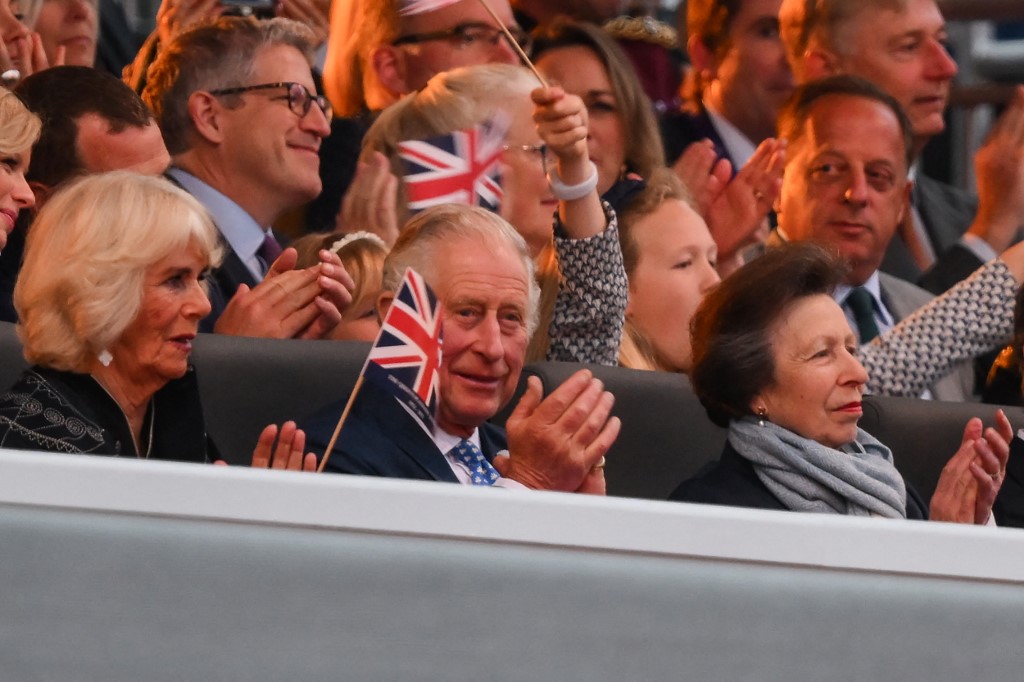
[247,383]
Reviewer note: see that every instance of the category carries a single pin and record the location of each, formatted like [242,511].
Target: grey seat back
[247,383]
[12,362]
[666,436]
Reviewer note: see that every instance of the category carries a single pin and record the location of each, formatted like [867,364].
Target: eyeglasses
[470,35]
[540,150]
[300,99]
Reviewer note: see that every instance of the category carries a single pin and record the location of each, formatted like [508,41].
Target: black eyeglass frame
[458,32]
[293,101]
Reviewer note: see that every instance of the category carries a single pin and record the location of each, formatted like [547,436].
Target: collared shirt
[738,145]
[242,233]
[883,318]
[445,442]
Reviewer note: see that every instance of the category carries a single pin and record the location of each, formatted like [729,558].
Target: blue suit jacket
[381,439]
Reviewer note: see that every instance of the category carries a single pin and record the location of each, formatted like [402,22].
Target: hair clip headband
[356,236]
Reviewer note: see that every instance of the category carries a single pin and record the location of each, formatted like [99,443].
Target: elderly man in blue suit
[481,271]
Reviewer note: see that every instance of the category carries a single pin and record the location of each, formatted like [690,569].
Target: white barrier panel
[461,512]
[129,570]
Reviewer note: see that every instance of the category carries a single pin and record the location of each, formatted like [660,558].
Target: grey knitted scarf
[858,479]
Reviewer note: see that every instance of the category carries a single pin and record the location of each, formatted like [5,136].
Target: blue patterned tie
[480,470]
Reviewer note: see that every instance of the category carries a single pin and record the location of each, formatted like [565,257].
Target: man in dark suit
[721,143]
[846,187]
[900,47]
[237,107]
[481,271]
[740,79]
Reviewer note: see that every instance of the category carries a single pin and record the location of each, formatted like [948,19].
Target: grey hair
[430,230]
[212,56]
[807,23]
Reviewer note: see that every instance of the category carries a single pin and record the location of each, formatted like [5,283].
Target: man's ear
[819,63]
[388,63]
[384,304]
[906,208]
[205,111]
[41,192]
[702,58]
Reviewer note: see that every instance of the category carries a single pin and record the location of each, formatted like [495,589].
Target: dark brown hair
[794,115]
[709,22]
[60,96]
[731,331]
[644,151]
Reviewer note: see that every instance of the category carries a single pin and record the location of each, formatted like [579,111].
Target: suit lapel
[421,449]
[401,431]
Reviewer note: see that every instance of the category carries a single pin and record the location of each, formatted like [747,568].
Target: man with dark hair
[721,142]
[900,46]
[92,122]
[740,78]
[238,109]
[846,187]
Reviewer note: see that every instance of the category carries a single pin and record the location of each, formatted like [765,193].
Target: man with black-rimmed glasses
[238,110]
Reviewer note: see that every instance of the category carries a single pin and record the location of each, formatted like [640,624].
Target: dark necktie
[268,252]
[480,470]
[862,304]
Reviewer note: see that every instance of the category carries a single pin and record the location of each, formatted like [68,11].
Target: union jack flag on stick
[463,167]
[406,356]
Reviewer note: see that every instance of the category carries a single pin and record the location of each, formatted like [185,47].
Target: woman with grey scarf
[774,360]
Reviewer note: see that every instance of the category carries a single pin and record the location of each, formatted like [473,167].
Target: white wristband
[564,192]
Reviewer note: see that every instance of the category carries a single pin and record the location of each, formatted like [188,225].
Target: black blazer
[223,283]
[381,439]
[731,481]
[946,213]
[224,280]
[1009,506]
[680,129]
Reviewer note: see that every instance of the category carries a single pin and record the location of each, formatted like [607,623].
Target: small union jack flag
[463,167]
[406,356]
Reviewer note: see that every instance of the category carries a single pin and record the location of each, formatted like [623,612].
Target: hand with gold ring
[736,215]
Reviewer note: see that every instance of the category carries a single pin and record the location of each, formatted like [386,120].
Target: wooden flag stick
[341,422]
[515,44]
